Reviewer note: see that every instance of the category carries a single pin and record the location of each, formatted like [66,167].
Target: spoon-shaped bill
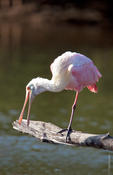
[23,109]
[29,108]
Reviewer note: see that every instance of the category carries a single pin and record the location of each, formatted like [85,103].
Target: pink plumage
[83,72]
[85,75]
[72,71]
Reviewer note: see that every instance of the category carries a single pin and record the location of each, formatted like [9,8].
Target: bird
[70,71]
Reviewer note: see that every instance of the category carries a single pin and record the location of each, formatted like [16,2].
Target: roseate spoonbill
[70,71]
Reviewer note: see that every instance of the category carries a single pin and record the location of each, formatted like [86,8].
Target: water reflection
[25,54]
[25,156]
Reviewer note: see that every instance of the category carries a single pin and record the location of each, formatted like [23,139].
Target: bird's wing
[86,75]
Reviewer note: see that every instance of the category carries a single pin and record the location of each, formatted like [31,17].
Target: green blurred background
[32,35]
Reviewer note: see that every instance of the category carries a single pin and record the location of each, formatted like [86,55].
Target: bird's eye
[30,87]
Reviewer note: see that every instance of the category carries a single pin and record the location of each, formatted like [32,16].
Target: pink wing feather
[85,75]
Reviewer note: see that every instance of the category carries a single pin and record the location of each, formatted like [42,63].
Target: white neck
[48,85]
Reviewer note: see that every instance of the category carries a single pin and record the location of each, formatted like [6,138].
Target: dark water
[27,53]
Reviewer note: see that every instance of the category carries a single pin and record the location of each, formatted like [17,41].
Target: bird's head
[33,88]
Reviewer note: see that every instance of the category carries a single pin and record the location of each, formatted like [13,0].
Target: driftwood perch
[48,132]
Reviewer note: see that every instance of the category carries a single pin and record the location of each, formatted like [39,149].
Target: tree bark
[48,132]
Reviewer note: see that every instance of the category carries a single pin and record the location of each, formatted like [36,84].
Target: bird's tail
[93,88]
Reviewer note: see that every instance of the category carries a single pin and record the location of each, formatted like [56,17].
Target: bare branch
[48,132]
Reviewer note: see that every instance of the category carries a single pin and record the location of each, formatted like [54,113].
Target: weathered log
[48,132]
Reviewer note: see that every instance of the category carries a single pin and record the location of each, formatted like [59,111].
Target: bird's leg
[69,129]
[72,114]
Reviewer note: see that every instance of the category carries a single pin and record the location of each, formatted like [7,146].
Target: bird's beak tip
[22,112]
[20,120]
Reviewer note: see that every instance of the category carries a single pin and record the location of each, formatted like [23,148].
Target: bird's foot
[61,131]
[69,130]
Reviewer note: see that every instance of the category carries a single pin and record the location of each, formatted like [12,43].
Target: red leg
[72,114]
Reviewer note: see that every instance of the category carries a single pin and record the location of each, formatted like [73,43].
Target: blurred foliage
[91,9]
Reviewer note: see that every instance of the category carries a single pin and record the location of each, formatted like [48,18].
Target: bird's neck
[50,85]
